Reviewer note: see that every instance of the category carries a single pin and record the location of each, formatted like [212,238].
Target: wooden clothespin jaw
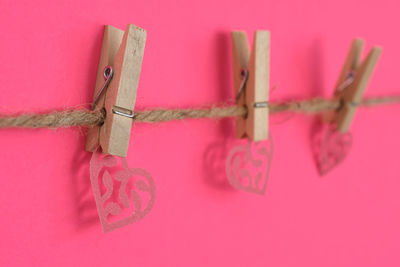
[251,83]
[352,83]
[123,51]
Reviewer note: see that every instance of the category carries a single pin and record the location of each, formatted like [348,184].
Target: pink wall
[49,60]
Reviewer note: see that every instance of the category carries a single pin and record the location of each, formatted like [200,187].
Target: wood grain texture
[240,60]
[111,41]
[352,95]
[255,125]
[352,62]
[121,94]
[258,87]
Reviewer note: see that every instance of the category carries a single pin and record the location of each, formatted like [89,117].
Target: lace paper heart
[248,165]
[134,198]
[330,147]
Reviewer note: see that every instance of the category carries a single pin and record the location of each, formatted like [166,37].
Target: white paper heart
[248,165]
[134,198]
[330,147]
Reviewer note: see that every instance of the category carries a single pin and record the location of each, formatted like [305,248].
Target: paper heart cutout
[248,165]
[330,147]
[134,198]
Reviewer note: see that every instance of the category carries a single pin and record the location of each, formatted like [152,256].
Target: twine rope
[88,118]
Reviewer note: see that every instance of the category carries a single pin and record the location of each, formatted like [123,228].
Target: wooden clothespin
[251,83]
[123,51]
[352,83]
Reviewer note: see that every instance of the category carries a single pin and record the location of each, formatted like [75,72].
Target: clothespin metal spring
[244,73]
[108,75]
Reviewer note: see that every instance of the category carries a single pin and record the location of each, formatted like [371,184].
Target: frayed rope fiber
[88,118]
[55,119]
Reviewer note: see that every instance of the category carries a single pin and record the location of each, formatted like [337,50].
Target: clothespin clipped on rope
[116,86]
[334,142]
[251,83]
[352,83]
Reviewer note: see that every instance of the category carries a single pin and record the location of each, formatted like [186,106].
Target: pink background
[49,57]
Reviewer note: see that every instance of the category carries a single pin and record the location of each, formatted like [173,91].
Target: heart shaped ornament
[330,147]
[248,165]
[123,195]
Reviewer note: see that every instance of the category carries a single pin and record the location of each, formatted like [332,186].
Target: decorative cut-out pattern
[330,147]
[248,165]
[123,195]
